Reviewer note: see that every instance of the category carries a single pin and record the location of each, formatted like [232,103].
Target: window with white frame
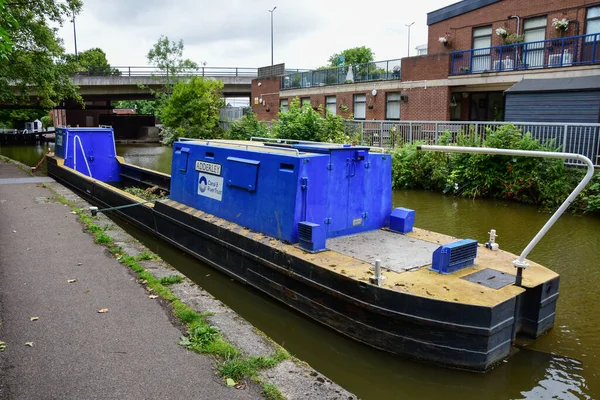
[283,105]
[330,104]
[360,106]
[306,100]
[392,106]
[592,22]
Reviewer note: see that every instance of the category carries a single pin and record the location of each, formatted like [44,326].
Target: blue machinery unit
[302,192]
[454,256]
[90,151]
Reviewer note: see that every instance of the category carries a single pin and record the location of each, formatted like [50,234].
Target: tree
[167,56]
[6,43]
[93,62]
[33,66]
[193,110]
[355,55]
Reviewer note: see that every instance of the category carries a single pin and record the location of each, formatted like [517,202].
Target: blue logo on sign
[202,184]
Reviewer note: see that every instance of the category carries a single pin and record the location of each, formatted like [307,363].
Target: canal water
[564,364]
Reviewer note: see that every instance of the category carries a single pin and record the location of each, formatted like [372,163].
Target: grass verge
[201,337]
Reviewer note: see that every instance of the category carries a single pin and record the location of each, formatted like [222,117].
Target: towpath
[70,350]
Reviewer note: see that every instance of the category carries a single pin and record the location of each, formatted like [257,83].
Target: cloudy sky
[237,32]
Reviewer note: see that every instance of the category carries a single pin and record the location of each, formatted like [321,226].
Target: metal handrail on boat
[520,263]
[286,141]
[208,142]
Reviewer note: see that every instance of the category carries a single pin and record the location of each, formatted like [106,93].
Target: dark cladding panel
[453,10]
[271,70]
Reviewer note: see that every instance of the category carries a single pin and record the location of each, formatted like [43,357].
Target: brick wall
[432,103]
[461,26]
[426,104]
[268,90]
[431,66]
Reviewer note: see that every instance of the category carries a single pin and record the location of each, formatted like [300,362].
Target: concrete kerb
[294,378]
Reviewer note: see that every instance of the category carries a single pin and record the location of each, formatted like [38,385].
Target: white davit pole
[520,263]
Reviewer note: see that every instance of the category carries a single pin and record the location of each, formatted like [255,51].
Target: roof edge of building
[453,10]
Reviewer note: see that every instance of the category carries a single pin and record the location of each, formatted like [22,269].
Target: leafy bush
[246,127]
[542,181]
[306,123]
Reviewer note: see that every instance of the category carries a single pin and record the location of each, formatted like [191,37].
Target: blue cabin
[301,192]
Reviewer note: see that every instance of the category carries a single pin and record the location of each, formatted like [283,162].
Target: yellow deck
[420,282]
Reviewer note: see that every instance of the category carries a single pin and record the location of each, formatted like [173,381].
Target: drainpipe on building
[518,22]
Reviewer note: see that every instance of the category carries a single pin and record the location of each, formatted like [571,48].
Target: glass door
[482,39]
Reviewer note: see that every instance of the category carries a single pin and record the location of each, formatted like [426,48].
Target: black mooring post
[519,278]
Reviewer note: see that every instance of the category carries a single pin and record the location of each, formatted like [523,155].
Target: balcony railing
[373,71]
[559,52]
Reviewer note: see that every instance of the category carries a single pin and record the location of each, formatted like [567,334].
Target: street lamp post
[74,34]
[271,11]
[409,25]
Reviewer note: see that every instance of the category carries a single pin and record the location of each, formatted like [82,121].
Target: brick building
[488,46]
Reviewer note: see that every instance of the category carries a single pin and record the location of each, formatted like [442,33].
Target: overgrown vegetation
[246,127]
[201,337]
[171,280]
[298,123]
[152,193]
[541,181]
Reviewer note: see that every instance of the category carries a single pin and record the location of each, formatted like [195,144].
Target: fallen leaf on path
[240,386]
[230,382]
[152,296]
[72,281]
[34,318]
[14,231]
[73,212]
[103,310]
[2,346]
[79,264]
[207,275]
[29,344]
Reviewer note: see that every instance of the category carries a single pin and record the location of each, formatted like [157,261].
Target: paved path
[130,352]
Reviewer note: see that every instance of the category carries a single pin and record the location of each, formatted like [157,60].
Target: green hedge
[541,181]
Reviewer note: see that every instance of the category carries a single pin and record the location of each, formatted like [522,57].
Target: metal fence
[130,71]
[582,139]
[372,71]
[557,52]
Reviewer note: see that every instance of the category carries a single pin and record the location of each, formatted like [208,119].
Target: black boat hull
[452,334]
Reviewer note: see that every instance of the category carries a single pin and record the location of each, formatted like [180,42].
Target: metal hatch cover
[490,278]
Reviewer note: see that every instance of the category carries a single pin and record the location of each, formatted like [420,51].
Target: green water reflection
[563,364]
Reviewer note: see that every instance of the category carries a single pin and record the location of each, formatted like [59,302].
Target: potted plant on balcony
[503,33]
[513,38]
[445,40]
[561,25]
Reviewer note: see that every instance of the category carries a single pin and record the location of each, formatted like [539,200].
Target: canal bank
[77,323]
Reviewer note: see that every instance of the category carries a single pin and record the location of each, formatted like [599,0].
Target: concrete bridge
[134,83]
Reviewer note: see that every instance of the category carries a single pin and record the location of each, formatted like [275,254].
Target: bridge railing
[133,71]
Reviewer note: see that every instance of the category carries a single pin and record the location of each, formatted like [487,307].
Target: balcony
[559,52]
[356,73]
